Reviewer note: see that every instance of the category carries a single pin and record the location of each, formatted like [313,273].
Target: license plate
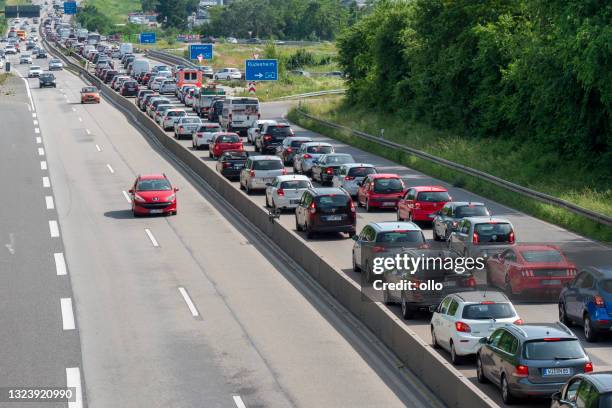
[551,282]
[388,204]
[238,166]
[156,211]
[294,201]
[557,371]
[268,180]
[450,284]
[334,217]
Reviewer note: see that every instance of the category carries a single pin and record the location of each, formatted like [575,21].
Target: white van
[126,48]
[239,114]
[139,66]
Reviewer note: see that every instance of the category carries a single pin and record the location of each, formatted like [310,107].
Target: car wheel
[309,232]
[247,189]
[351,234]
[455,358]
[407,312]
[434,339]
[355,267]
[507,396]
[298,227]
[210,154]
[589,331]
[479,372]
[563,315]
[410,217]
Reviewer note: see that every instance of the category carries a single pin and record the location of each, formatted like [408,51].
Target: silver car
[171,117]
[167,87]
[186,126]
[55,64]
[286,191]
[482,236]
[203,136]
[259,171]
[350,175]
[308,153]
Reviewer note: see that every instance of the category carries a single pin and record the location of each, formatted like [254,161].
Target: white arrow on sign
[258,75]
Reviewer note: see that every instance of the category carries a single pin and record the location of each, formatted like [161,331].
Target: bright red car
[381,190]
[530,268]
[420,203]
[153,194]
[223,141]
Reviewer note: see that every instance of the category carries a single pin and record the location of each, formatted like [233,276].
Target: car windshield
[209,129]
[295,184]
[606,285]
[553,350]
[339,159]
[47,76]
[544,255]
[388,185]
[297,143]
[471,211]
[34,68]
[332,201]
[361,171]
[493,232]
[319,149]
[228,139]
[279,131]
[153,185]
[400,236]
[433,196]
[267,165]
[486,311]
[90,89]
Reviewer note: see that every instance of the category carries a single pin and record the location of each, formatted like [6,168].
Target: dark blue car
[587,301]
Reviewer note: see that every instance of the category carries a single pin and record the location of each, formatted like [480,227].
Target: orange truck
[188,76]
[22,34]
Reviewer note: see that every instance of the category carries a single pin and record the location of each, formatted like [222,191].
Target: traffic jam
[329,196]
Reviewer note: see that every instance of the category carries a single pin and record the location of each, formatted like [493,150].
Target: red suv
[380,191]
[153,194]
[422,202]
[224,141]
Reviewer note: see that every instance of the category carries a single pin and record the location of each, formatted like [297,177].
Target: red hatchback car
[541,269]
[381,190]
[153,194]
[420,203]
[223,141]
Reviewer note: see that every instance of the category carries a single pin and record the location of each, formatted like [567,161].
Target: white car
[34,71]
[463,318]
[155,85]
[350,175]
[232,40]
[10,50]
[259,171]
[286,191]
[25,59]
[171,117]
[55,64]
[203,136]
[308,153]
[252,132]
[190,97]
[228,74]
[160,111]
[167,87]
[186,126]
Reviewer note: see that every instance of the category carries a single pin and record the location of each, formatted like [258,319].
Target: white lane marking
[151,237]
[11,245]
[80,118]
[60,264]
[29,107]
[46,182]
[43,165]
[239,402]
[54,229]
[49,202]
[38,140]
[41,151]
[73,109]
[35,123]
[36,130]
[98,148]
[187,299]
[127,197]
[108,166]
[67,314]
[73,380]
[88,131]
[33,115]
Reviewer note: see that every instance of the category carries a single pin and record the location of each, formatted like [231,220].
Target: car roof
[265,157]
[358,165]
[463,203]
[602,380]
[338,154]
[152,176]
[484,219]
[383,175]
[394,225]
[289,177]
[297,138]
[542,330]
[601,271]
[477,296]
[328,190]
[316,144]
[429,188]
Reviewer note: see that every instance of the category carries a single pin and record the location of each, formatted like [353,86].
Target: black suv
[272,136]
[326,210]
[46,79]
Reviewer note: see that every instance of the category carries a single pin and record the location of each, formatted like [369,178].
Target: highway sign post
[200,51]
[70,7]
[261,70]
[148,38]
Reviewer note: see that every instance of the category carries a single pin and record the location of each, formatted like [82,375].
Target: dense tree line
[94,19]
[535,70]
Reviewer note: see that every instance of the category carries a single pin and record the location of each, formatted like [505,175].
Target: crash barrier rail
[446,382]
[312,94]
[481,175]
[170,58]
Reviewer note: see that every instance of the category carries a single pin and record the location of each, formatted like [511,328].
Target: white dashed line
[36,130]
[127,197]
[43,165]
[88,131]
[33,115]
[46,182]
[67,314]
[29,108]
[60,264]
[38,140]
[35,123]
[54,229]
[73,380]
[190,305]
[98,148]
[239,402]
[151,237]
[108,166]
[41,151]
[49,202]
[73,109]
[80,119]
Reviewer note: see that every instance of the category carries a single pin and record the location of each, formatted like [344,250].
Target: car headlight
[139,198]
[171,197]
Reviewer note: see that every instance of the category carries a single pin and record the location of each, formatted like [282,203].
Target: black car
[46,79]
[326,210]
[110,75]
[231,163]
[215,110]
[129,88]
[328,165]
[593,390]
[272,136]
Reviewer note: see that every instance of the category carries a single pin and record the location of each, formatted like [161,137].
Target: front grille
[153,206]
[550,272]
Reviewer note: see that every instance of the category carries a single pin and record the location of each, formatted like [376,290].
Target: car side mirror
[268,184]
[176,189]
[131,191]
[433,309]
[484,340]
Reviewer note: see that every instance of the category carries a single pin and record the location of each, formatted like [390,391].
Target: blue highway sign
[261,70]
[205,50]
[148,38]
[70,7]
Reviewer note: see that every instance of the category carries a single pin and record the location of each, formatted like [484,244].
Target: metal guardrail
[170,58]
[313,94]
[542,197]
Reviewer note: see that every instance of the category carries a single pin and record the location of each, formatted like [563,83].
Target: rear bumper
[332,228]
[525,388]
[539,284]
[422,215]
[383,202]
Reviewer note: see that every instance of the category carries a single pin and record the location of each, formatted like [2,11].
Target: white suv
[228,73]
[463,318]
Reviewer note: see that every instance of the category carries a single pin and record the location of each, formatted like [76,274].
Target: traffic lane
[36,349]
[327,354]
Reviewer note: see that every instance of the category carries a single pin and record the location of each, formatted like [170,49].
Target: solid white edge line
[43,165]
[60,264]
[73,380]
[80,118]
[38,140]
[46,182]
[189,302]
[239,402]
[67,314]
[54,229]
[49,202]
[41,151]
[110,168]
[151,237]
[36,130]
[127,197]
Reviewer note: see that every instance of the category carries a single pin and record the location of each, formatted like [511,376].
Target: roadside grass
[293,85]
[117,10]
[522,164]
[4,77]
[18,2]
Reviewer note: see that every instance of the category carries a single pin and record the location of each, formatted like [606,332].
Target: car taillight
[511,237]
[252,173]
[518,322]
[267,137]
[353,208]
[289,150]
[280,192]
[226,165]
[521,371]
[527,273]
[284,171]
[572,272]
[417,206]
[470,282]
[200,135]
[329,170]
[462,327]
[349,178]
[378,249]
[588,367]
[475,238]
[313,208]
[599,301]
[307,156]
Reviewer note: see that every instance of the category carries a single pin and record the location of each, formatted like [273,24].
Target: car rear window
[485,311]
[295,184]
[267,165]
[153,185]
[388,185]
[606,285]
[564,349]
[191,120]
[471,211]
[361,171]
[228,139]
[546,255]
[433,196]
[90,89]
[236,155]
[332,201]
[276,131]
[209,129]
[493,232]
[400,236]
[297,143]
[319,149]
[339,159]
[177,113]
